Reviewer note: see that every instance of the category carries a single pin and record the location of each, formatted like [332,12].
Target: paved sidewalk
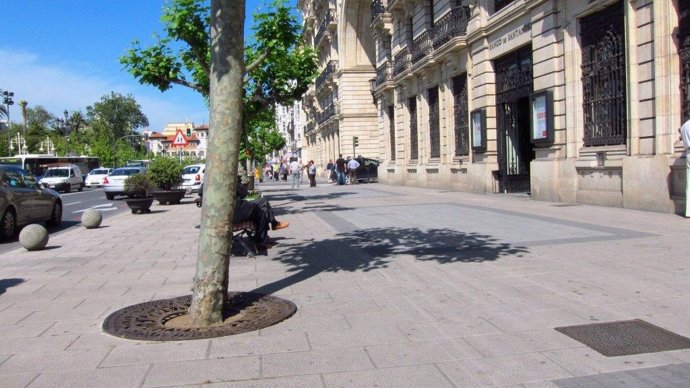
[395,287]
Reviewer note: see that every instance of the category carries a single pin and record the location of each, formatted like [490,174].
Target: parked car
[193,177]
[24,201]
[63,178]
[368,170]
[114,183]
[95,177]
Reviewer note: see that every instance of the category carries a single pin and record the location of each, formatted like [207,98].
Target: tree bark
[226,92]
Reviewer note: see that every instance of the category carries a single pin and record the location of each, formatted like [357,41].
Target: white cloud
[58,87]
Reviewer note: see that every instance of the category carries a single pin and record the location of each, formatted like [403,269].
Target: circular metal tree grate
[147,321]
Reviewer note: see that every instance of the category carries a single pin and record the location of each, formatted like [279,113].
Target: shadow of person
[7,283]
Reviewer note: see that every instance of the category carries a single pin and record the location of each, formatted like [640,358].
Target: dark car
[23,201]
[368,170]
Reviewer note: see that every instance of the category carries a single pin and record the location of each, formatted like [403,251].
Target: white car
[114,183]
[63,178]
[193,177]
[95,177]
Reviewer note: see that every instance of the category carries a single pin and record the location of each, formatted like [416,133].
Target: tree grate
[244,312]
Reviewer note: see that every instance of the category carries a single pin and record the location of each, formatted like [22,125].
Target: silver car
[114,183]
[23,201]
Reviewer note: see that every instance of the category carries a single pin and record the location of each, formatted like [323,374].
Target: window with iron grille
[412,108]
[684,54]
[434,126]
[462,116]
[391,129]
[500,4]
[603,77]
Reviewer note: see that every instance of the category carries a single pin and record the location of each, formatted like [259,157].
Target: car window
[56,172]
[99,171]
[28,178]
[12,178]
[191,170]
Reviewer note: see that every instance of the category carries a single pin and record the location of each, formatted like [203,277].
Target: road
[74,204]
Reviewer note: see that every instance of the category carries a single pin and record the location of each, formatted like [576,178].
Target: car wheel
[55,215]
[109,196]
[8,225]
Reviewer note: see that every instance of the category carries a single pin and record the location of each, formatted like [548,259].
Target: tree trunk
[226,92]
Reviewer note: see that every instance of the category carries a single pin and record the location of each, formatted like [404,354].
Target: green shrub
[138,185]
[165,172]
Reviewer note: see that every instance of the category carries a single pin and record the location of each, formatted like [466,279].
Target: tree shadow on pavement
[7,283]
[371,249]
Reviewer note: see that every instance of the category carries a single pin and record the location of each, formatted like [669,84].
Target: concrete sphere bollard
[33,237]
[91,219]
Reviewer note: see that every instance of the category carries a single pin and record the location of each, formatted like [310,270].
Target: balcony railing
[327,72]
[328,19]
[377,8]
[451,25]
[326,114]
[383,74]
[401,61]
[421,46]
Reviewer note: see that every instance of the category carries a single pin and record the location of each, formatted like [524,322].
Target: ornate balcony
[451,25]
[326,113]
[401,61]
[326,73]
[384,74]
[421,46]
[328,21]
[377,8]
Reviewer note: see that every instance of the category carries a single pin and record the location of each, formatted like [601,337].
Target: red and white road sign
[180,140]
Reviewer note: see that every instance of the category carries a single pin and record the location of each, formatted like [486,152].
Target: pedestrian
[311,173]
[340,169]
[329,170]
[352,166]
[685,136]
[260,213]
[295,170]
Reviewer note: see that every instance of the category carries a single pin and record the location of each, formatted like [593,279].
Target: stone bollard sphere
[33,237]
[91,219]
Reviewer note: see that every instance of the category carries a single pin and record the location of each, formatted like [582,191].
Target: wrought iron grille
[684,54]
[514,85]
[377,8]
[383,74]
[421,47]
[391,129]
[327,72]
[603,77]
[401,61]
[451,25]
[462,116]
[434,126]
[412,107]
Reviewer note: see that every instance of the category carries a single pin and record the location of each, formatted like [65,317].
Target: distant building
[289,125]
[195,136]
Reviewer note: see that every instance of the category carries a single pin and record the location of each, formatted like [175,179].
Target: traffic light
[189,132]
[355,141]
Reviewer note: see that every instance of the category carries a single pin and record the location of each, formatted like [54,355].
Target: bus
[38,164]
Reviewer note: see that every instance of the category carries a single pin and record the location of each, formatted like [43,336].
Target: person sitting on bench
[260,213]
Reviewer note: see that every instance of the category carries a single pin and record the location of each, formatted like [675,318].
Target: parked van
[63,178]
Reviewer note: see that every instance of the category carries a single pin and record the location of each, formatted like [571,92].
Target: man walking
[352,166]
[340,170]
[295,171]
[685,136]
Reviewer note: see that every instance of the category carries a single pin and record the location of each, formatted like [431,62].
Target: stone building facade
[340,115]
[568,100]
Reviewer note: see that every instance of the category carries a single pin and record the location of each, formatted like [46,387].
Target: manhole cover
[152,321]
[624,338]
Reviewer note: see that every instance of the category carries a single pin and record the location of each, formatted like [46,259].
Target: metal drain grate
[623,338]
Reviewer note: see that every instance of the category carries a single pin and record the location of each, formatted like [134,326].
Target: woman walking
[311,172]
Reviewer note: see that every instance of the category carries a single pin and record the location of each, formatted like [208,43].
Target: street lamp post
[65,127]
[47,146]
[20,142]
[7,100]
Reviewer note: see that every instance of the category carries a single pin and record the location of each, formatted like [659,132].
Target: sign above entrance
[180,140]
[510,40]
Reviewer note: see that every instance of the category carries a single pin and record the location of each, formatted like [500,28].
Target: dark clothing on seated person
[258,211]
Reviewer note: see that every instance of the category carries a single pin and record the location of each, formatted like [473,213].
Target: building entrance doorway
[515,150]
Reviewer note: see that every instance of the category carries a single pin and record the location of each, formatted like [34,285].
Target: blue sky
[63,54]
